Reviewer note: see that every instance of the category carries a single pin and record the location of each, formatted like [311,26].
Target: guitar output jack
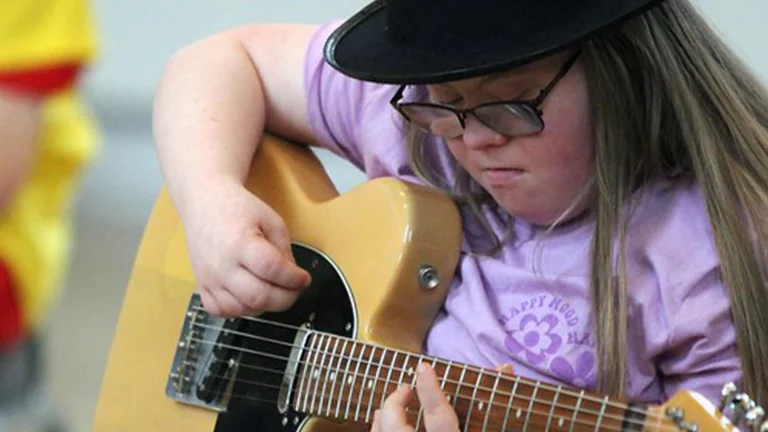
[428,277]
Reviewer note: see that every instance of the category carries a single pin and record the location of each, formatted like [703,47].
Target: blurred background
[137,38]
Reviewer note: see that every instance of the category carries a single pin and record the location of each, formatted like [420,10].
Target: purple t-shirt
[529,306]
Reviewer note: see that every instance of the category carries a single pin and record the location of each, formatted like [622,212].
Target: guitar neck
[347,380]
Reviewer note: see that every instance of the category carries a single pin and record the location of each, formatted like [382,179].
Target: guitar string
[470,368]
[332,399]
[403,373]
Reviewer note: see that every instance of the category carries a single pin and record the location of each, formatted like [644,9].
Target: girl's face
[535,177]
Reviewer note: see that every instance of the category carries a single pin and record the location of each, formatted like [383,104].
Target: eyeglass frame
[462,114]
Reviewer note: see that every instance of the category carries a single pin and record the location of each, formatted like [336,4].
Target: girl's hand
[240,253]
[438,416]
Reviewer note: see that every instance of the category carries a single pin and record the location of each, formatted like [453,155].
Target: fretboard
[348,380]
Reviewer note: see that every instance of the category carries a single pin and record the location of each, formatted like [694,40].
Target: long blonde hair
[697,113]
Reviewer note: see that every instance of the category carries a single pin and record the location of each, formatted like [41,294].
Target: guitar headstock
[692,412]
[743,407]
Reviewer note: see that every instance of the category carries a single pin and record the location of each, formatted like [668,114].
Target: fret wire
[421,409]
[300,384]
[602,413]
[346,377]
[472,400]
[389,376]
[458,385]
[412,371]
[530,408]
[328,376]
[338,376]
[354,379]
[308,368]
[402,369]
[316,371]
[364,384]
[325,382]
[552,408]
[446,374]
[576,412]
[375,384]
[323,347]
[490,401]
[510,404]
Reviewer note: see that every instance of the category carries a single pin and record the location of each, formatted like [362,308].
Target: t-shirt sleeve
[683,305]
[701,351]
[335,102]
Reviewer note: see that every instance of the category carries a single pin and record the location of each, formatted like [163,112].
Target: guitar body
[380,266]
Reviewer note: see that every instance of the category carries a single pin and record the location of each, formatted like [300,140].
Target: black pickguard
[327,306]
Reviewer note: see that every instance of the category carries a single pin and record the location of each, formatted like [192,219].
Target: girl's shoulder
[670,236]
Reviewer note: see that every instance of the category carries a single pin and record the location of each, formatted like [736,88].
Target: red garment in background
[36,83]
[40,82]
[11,329]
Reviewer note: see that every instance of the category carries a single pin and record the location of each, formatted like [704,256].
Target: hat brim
[362,49]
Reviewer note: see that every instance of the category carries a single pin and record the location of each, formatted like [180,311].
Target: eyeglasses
[510,118]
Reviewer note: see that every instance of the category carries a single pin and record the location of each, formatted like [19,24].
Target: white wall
[138,36]
[743,24]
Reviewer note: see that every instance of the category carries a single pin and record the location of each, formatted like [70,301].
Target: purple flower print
[535,337]
[583,375]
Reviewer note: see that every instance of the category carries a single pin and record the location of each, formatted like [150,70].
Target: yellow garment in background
[35,230]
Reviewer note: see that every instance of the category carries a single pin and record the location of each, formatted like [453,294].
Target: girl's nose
[478,136]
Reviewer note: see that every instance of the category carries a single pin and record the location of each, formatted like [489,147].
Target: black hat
[430,41]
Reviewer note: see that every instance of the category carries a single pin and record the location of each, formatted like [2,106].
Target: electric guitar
[381,258]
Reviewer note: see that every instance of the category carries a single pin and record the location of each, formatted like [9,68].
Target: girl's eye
[452,102]
[444,99]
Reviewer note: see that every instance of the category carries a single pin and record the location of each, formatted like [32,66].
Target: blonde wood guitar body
[380,236]
[381,257]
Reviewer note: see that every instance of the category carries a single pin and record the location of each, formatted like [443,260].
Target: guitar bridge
[206,360]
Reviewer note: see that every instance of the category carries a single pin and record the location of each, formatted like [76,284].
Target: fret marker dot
[333,376]
[561,422]
[519,413]
[370,384]
[316,373]
[480,406]
[349,380]
[410,371]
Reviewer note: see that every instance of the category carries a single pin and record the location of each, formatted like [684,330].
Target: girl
[610,158]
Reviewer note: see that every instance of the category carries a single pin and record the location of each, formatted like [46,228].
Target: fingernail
[422,367]
[506,368]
